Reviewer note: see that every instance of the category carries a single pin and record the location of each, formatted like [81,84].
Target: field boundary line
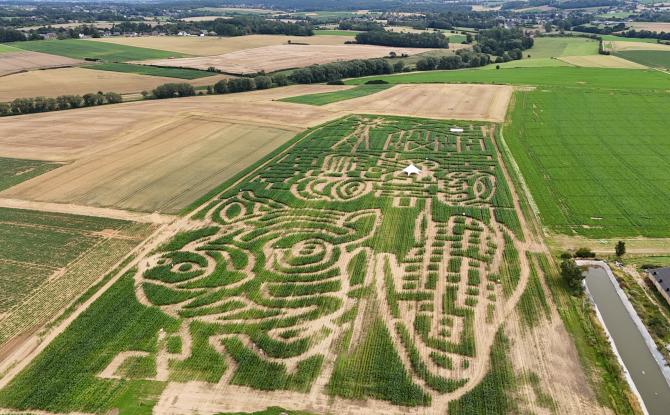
[82,210]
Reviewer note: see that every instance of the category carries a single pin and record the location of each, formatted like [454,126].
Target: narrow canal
[639,361]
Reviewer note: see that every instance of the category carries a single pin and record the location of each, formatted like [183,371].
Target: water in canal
[639,361]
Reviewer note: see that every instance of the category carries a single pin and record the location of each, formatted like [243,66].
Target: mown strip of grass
[151,70]
[584,78]
[330,97]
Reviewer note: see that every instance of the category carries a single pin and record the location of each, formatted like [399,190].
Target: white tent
[456,130]
[411,169]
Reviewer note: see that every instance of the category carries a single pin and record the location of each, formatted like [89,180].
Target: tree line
[504,43]
[224,86]
[405,40]
[462,59]
[63,102]
[338,70]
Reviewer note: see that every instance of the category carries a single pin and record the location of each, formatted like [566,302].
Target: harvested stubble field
[212,45]
[12,62]
[621,46]
[48,260]
[466,102]
[61,81]
[324,280]
[279,57]
[158,169]
[601,61]
[71,135]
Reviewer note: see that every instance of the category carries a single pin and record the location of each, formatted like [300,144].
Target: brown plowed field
[279,57]
[13,62]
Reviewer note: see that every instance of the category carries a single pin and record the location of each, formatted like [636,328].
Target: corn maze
[285,275]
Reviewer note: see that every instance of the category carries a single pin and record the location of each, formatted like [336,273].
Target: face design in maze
[268,274]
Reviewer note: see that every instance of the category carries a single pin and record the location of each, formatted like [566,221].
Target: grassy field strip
[652,58]
[152,70]
[15,171]
[4,48]
[554,47]
[330,97]
[328,32]
[582,78]
[107,52]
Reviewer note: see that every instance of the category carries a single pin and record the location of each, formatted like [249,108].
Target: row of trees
[64,102]
[224,86]
[406,40]
[647,34]
[462,59]
[338,70]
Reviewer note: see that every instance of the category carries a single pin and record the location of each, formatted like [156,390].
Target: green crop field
[327,32]
[330,97]
[583,78]
[555,47]
[8,48]
[595,161]
[15,171]
[652,58]
[628,39]
[107,52]
[36,245]
[326,267]
[151,70]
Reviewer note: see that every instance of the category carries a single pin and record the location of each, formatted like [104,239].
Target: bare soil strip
[155,218]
